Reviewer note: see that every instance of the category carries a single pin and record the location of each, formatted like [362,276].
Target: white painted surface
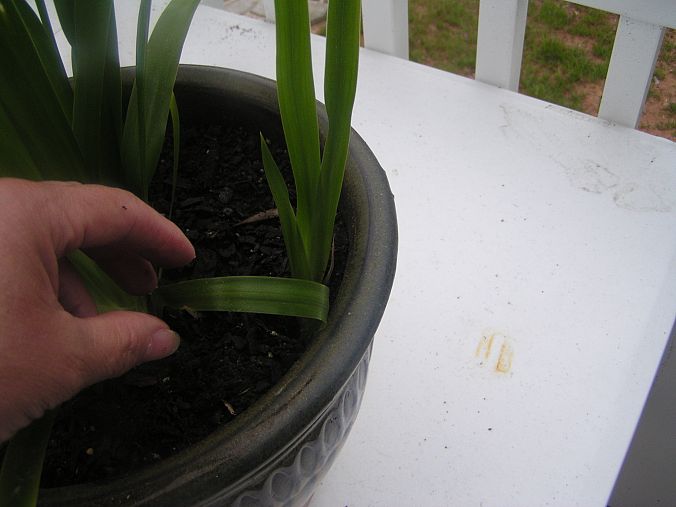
[502,27]
[656,12]
[269,8]
[385,24]
[632,63]
[549,230]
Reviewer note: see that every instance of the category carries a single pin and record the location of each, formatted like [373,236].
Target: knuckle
[126,350]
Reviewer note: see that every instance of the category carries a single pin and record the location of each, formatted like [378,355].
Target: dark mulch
[226,360]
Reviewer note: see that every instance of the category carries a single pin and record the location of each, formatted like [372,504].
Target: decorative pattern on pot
[293,485]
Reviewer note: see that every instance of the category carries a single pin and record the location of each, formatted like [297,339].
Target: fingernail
[163,343]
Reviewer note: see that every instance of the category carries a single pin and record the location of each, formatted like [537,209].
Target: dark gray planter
[276,452]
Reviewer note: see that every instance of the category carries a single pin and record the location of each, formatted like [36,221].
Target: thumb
[112,343]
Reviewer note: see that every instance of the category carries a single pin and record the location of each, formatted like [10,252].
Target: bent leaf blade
[340,86]
[255,294]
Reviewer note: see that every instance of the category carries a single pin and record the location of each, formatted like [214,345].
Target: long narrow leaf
[340,85]
[48,52]
[65,9]
[295,248]
[162,57]
[44,16]
[14,154]
[112,105]
[95,60]
[342,59]
[256,294]
[295,87]
[141,45]
[22,466]
[34,95]
[176,133]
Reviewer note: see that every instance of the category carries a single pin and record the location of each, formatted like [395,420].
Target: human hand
[52,343]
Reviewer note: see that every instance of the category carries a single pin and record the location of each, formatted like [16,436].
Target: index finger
[94,216]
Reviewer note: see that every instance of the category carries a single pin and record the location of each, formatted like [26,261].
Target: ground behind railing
[565,60]
[566,52]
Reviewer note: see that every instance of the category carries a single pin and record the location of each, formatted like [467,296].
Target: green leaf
[340,85]
[298,108]
[48,52]
[22,466]
[141,44]
[65,9]
[15,157]
[97,89]
[295,248]
[35,97]
[112,104]
[318,185]
[176,132]
[256,294]
[161,64]
[107,295]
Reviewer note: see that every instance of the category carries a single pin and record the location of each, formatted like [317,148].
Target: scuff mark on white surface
[635,197]
[592,177]
[640,184]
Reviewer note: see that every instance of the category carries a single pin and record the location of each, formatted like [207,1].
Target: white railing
[386,26]
[637,44]
[502,25]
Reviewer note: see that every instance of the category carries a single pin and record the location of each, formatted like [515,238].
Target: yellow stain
[485,346]
[504,363]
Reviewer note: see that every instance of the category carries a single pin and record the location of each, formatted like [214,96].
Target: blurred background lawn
[565,59]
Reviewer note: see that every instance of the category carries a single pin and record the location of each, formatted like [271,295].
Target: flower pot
[277,451]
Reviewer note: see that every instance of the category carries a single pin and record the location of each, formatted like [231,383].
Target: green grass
[553,15]
[443,34]
[669,125]
[566,46]
[551,70]
[598,26]
[566,51]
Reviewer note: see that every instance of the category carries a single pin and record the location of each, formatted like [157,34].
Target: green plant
[55,130]
[308,231]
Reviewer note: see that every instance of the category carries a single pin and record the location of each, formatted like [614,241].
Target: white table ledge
[535,288]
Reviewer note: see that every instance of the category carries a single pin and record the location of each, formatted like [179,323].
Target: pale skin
[52,342]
